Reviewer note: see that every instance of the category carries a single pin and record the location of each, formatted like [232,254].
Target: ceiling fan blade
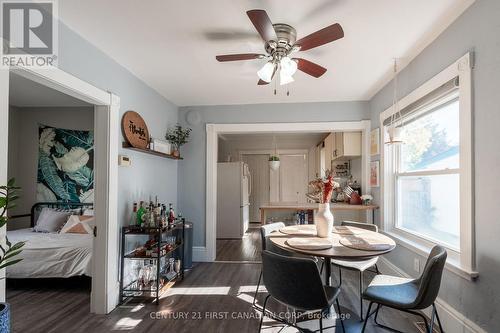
[241,56]
[263,24]
[321,37]
[309,67]
[262,82]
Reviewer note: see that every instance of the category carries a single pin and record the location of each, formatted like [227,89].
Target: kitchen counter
[312,206]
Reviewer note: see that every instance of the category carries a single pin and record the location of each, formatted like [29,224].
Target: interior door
[293,178]
[258,164]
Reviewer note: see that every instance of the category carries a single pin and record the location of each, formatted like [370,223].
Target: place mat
[347,230]
[366,242]
[300,230]
[309,243]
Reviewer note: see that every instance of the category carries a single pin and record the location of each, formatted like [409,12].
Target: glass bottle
[171,214]
[140,213]
[133,219]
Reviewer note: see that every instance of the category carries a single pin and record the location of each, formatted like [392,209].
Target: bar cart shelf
[158,255]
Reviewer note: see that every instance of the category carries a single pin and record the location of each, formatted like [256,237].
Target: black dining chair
[359,266]
[408,295]
[306,294]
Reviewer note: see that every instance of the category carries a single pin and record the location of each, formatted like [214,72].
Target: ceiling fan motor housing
[286,39]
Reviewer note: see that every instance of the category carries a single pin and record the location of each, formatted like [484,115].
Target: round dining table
[345,244]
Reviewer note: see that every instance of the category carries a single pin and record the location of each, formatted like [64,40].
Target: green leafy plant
[273,158]
[8,196]
[178,136]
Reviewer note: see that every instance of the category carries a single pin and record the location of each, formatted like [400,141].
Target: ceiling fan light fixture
[288,65]
[285,78]
[266,72]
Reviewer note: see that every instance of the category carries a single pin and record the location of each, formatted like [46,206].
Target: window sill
[452,264]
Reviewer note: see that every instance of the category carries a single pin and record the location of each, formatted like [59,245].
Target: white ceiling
[172,44]
[27,93]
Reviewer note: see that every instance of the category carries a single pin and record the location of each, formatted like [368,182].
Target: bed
[51,255]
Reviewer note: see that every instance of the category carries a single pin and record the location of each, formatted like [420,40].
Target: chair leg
[376,269]
[437,317]
[257,290]
[431,326]
[321,322]
[263,312]
[340,277]
[340,315]
[361,295]
[367,317]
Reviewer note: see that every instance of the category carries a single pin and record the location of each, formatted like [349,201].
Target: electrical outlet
[416,265]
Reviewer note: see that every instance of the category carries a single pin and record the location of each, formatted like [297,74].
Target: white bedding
[48,255]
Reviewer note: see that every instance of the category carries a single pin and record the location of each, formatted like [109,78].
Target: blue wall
[148,175]
[477,30]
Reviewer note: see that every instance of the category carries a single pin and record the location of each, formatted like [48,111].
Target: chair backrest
[367,226]
[430,280]
[266,230]
[295,282]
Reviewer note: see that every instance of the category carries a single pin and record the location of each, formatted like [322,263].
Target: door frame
[212,133]
[104,295]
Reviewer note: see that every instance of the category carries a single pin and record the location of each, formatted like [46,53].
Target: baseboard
[200,254]
[452,320]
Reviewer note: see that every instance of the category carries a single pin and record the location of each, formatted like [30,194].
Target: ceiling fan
[280,43]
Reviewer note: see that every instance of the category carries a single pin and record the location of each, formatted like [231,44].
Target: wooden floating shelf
[151,152]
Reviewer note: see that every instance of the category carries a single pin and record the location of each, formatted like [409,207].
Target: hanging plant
[273,158]
[178,136]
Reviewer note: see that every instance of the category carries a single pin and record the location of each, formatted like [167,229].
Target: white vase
[324,220]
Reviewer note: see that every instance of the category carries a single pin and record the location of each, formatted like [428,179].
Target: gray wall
[192,180]
[478,30]
[23,147]
[148,175]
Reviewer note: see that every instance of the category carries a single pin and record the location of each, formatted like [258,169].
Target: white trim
[4,147]
[463,69]
[452,320]
[213,130]
[104,295]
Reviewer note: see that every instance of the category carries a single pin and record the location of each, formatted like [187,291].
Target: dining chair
[408,295]
[359,266]
[296,283]
[265,231]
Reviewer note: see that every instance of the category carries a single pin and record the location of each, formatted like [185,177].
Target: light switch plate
[124,160]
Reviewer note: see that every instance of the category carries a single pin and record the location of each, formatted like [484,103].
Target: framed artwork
[375,174]
[375,142]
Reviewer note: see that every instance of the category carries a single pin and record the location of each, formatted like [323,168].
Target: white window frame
[461,262]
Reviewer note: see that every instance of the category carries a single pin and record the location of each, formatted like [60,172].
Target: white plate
[347,230]
[300,230]
[309,243]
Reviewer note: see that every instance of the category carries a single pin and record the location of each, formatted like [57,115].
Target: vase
[4,318]
[176,153]
[323,219]
[274,165]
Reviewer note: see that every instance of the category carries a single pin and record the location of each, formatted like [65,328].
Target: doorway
[104,295]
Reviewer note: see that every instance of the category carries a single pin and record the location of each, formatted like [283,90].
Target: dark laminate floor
[209,293]
[246,249]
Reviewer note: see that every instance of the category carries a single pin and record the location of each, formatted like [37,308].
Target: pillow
[50,220]
[78,224]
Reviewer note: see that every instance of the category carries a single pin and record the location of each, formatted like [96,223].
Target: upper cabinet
[346,145]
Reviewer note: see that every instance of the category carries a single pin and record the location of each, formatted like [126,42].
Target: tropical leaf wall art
[65,165]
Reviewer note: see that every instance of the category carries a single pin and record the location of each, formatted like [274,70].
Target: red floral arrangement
[322,189]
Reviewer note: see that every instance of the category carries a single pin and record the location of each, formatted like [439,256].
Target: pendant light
[274,160]
[395,129]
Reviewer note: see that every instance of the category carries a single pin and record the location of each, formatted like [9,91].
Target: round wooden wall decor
[135,130]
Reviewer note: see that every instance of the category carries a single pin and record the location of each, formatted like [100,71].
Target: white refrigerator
[233,191]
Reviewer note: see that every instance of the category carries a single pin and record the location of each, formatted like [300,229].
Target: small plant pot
[274,165]
[4,318]
[176,153]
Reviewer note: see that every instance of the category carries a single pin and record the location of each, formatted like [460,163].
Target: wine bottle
[171,214]
[133,219]
[140,213]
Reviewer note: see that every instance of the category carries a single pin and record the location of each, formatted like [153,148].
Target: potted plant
[8,195]
[274,162]
[178,136]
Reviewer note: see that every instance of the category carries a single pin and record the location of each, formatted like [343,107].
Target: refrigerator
[233,191]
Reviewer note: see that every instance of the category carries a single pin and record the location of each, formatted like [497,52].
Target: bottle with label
[133,219]
[171,215]
[140,213]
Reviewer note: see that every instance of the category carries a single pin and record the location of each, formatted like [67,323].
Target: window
[427,175]
[427,186]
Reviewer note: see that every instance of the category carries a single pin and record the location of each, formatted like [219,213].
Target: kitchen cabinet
[347,145]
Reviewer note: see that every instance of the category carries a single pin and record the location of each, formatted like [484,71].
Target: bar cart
[162,260]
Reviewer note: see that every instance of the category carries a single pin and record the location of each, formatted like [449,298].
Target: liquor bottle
[133,219]
[140,213]
[171,215]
